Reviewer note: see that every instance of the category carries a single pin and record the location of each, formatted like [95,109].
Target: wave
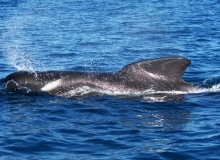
[153,94]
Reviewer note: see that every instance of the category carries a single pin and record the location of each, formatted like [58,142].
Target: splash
[16,44]
[213,88]
[18,86]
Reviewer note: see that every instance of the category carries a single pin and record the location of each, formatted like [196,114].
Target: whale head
[20,80]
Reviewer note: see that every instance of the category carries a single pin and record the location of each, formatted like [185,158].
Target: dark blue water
[104,36]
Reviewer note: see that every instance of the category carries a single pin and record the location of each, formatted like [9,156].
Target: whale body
[161,74]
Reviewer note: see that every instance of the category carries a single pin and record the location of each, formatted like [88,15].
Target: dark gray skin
[162,74]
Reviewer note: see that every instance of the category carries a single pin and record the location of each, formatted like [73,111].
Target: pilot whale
[161,74]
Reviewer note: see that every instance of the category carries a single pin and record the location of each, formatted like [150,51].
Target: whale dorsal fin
[170,68]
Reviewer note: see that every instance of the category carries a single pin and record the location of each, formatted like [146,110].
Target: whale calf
[160,74]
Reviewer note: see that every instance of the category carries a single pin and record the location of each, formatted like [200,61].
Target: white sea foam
[149,94]
[86,90]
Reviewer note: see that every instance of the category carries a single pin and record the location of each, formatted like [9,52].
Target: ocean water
[104,36]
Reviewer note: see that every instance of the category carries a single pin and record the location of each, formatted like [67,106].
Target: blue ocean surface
[104,36]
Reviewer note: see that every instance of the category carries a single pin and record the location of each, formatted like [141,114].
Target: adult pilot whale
[161,74]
